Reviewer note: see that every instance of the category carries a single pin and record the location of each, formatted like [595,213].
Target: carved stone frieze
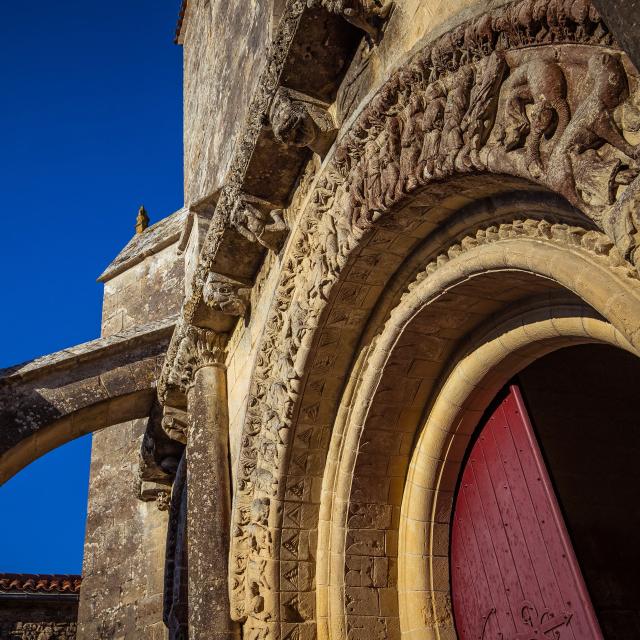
[301,121]
[226,295]
[268,229]
[534,90]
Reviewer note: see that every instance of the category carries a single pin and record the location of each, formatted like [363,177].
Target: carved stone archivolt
[534,90]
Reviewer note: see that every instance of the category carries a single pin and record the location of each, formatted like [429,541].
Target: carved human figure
[389,161]
[483,102]
[576,168]
[269,230]
[458,86]
[412,117]
[435,98]
[540,83]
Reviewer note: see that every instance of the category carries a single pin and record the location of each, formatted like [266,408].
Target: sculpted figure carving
[458,86]
[225,295]
[367,15]
[270,230]
[301,121]
[483,102]
[575,166]
[174,424]
[542,84]
[435,99]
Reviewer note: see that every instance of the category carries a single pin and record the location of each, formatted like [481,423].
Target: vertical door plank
[514,574]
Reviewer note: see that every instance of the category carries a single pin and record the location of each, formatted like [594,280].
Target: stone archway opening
[582,402]
[548,478]
[461,330]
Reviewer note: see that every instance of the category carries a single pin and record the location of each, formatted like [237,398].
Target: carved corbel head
[174,424]
[225,295]
[368,15]
[268,229]
[158,458]
[300,121]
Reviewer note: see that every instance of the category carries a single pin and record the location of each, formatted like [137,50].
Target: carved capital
[301,121]
[225,295]
[195,348]
[268,229]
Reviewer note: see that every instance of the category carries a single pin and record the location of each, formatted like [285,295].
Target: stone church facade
[403,221]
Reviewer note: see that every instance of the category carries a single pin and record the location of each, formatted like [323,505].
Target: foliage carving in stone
[196,348]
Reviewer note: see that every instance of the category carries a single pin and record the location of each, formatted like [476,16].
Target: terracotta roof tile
[32,583]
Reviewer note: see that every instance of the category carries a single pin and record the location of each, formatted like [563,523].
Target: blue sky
[91,122]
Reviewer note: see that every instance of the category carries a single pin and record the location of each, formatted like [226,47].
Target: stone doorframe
[530,99]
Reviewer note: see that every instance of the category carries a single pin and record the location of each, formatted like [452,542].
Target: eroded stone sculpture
[301,121]
[270,230]
[225,295]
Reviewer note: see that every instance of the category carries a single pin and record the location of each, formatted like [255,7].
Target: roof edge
[178,39]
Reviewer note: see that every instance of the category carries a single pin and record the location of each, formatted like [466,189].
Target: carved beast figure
[269,230]
[541,83]
[575,167]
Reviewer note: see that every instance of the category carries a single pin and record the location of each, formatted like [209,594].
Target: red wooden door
[514,575]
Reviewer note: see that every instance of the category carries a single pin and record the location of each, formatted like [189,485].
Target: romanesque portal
[374,380]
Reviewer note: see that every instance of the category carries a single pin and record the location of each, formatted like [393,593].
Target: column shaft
[209,507]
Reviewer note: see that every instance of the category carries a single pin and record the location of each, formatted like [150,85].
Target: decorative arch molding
[533,95]
[363,491]
[424,592]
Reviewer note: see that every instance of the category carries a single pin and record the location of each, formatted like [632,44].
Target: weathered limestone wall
[125,539]
[223,45]
[123,568]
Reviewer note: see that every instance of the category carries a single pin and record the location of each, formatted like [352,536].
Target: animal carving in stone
[368,15]
[226,295]
[540,83]
[576,166]
[301,121]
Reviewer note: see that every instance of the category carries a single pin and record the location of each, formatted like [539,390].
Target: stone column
[208,490]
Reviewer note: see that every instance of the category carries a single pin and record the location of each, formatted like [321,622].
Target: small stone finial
[142,221]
